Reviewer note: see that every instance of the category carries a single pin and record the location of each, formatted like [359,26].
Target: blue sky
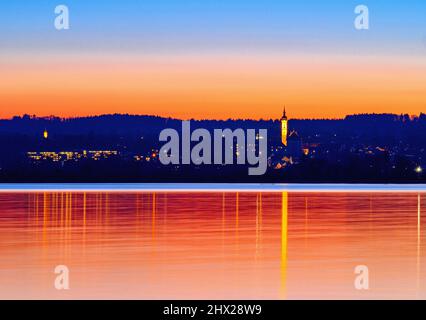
[212,58]
[218,25]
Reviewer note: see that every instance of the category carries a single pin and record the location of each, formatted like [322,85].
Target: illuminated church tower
[284,128]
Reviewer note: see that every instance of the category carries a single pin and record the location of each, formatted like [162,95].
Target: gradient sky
[212,58]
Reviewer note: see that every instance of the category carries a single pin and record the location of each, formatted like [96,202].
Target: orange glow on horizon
[212,87]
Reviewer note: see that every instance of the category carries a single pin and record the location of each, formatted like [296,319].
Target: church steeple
[284,128]
[284,115]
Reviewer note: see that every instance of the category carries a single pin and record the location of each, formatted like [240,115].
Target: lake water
[221,244]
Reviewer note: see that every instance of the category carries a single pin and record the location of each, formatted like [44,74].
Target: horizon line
[50,117]
[212,187]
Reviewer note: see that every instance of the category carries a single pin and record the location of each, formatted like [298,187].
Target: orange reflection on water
[211,245]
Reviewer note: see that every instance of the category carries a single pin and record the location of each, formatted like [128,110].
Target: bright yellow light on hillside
[284,128]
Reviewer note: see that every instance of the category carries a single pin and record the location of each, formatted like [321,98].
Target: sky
[212,58]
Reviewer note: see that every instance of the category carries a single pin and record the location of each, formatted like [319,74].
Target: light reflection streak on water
[211,245]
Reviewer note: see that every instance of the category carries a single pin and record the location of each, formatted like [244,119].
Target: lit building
[284,128]
[57,156]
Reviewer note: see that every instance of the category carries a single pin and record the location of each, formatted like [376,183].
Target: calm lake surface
[212,245]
